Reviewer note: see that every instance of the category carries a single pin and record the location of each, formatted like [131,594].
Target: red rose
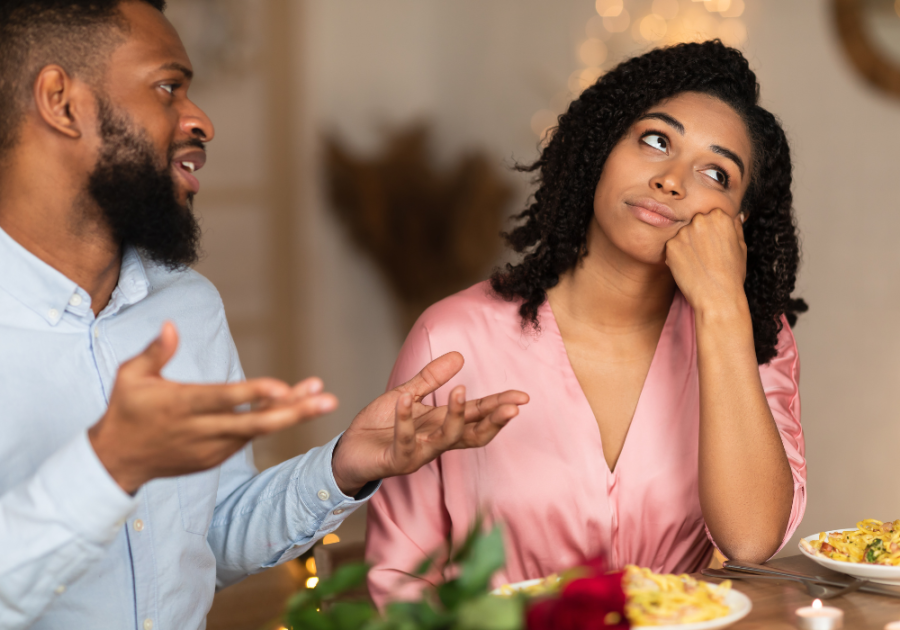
[590,603]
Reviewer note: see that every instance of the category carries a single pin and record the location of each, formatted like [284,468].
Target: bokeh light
[717,6]
[609,8]
[311,582]
[667,9]
[653,28]
[735,10]
[542,120]
[732,32]
[592,52]
[311,565]
[618,23]
[330,539]
[589,77]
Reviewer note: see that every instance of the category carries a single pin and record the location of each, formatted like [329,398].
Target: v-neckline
[549,324]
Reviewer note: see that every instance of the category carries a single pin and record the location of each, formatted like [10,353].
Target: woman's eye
[656,141]
[717,175]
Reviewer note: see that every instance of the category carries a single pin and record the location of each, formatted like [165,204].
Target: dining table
[775,601]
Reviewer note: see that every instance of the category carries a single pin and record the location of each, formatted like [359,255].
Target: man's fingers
[433,375]
[153,359]
[205,399]
[250,424]
[404,447]
[454,424]
[480,433]
[478,409]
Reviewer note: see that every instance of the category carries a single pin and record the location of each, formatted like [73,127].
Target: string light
[330,539]
[653,28]
[311,582]
[592,52]
[609,8]
[737,9]
[717,6]
[618,23]
[732,32]
[667,9]
[311,565]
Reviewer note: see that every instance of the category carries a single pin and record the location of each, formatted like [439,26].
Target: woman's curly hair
[554,232]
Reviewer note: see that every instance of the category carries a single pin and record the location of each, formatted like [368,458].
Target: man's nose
[195,123]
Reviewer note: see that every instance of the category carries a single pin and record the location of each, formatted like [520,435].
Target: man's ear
[60,101]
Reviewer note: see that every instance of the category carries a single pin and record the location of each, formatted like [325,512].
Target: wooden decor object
[432,231]
[872,60]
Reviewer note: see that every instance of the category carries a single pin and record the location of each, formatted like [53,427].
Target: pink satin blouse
[544,477]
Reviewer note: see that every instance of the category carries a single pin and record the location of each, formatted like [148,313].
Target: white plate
[738,603]
[873,572]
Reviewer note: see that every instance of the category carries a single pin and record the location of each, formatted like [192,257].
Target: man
[127,489]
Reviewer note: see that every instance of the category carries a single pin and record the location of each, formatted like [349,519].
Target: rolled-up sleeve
[781,383]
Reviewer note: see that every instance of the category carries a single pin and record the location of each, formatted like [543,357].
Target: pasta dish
[656,600]
[873,542]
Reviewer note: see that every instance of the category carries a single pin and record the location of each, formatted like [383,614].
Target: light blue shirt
[76,551]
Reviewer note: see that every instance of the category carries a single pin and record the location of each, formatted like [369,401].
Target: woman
[649,321]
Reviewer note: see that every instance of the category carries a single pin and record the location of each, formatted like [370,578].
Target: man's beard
[137,199]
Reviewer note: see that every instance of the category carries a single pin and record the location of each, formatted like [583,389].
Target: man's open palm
[396,434]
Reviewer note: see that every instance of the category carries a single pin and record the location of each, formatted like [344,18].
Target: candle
[819,617]
[894,625]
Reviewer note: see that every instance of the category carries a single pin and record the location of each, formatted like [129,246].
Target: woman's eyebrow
[731,155]
[677,126]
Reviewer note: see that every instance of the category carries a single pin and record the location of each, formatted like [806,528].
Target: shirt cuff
[85,494]
[320,492]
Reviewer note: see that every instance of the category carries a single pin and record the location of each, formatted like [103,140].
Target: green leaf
[346,578]
[423,568]
[305,598]
[466,549]
[309,619]
[421,614]
[490,613]
[350,615]
[486,558]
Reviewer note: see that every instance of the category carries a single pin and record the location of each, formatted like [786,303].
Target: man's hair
[77,35]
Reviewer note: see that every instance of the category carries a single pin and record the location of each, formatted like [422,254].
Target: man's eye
[169,87]
[716,174]
[656,141]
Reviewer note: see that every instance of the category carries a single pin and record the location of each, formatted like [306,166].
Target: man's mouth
[186,165]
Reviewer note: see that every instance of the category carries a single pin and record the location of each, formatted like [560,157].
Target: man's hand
[396,434]
[708,259]
[157,428]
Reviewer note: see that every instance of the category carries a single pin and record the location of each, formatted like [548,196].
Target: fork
[815,590]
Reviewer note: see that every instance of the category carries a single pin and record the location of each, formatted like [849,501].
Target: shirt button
[338,511]
[148,624]
[96,333]
[53,313]
[139,526]
[75,300]
[323,495]
[60,589]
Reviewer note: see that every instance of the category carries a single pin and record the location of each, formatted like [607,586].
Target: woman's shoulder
[477,307]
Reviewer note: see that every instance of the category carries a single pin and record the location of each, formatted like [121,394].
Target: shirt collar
[47,292]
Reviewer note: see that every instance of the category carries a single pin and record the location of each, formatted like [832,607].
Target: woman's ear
[60,101]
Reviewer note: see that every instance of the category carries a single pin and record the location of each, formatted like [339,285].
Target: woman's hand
[708,259]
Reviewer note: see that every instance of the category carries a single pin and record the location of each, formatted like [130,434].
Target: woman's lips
[652,212]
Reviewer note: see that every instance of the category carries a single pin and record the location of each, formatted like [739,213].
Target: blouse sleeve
[781,383]
[407,520]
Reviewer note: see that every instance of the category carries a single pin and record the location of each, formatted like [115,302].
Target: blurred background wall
[491,76]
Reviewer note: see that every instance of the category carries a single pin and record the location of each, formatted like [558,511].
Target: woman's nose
[669,182]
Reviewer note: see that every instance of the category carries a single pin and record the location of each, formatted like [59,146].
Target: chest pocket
[197,499]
